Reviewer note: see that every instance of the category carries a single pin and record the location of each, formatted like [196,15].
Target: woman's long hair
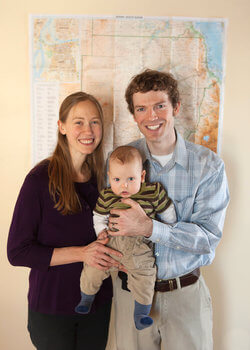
[61,171]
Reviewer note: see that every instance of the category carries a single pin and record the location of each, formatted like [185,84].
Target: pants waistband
[166,285]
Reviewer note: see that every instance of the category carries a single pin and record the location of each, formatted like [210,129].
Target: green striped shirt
[152,198]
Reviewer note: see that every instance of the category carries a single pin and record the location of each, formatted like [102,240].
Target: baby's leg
[141,316]
[85,303]
[90,281]
[141,282]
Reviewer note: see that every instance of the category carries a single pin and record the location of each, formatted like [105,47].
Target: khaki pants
[139,261]
[182,320]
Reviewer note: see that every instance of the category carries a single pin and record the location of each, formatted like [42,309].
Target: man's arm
[199,236]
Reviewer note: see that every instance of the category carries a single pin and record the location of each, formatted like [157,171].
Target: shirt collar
[180,155]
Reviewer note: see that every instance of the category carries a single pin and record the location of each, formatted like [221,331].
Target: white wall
[228,277]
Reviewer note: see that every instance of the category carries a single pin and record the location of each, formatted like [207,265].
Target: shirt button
[178,247]
[157,254]
[158,240]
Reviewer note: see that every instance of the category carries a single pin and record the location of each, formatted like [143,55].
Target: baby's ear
[143,174]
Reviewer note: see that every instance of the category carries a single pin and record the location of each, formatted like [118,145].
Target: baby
[127,180]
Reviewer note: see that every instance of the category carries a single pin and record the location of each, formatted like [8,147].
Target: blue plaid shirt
[196,182]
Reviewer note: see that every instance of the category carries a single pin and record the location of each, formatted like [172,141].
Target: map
[100,55]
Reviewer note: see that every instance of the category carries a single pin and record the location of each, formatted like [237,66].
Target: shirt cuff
[160,233]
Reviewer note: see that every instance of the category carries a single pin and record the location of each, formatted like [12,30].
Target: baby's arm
[169,215]
[100,225]
[102,235]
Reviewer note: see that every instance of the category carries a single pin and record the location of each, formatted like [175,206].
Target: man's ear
[177,108]
[61,127]
[143,174]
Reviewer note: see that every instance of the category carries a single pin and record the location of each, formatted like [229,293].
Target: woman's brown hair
[61,171]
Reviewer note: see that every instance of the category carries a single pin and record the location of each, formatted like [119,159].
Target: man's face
[154,115]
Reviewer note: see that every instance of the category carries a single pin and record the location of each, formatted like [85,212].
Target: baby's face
[125,179]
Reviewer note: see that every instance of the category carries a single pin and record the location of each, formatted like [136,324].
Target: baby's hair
[125,154]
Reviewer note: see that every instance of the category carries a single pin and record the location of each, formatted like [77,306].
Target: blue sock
[141,318]
[85,304]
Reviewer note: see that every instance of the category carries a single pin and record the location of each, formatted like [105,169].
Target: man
[195,180]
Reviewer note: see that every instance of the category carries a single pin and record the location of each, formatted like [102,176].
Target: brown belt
[166,285]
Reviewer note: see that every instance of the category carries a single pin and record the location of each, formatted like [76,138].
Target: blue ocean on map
[213,33]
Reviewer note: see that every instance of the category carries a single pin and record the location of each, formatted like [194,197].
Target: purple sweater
[37,228]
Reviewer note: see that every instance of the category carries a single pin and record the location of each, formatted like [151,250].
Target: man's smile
[153,127]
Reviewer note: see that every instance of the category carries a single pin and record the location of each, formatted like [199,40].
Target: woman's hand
[97,255]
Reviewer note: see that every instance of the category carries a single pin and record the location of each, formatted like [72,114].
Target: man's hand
[131,222]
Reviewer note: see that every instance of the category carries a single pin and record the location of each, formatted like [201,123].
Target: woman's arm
[25,250]
[95,254]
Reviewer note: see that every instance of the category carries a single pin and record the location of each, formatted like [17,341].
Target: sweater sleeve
[24,248]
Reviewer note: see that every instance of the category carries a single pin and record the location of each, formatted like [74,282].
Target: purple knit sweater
[36,229]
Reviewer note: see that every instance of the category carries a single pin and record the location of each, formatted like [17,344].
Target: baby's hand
[102,235]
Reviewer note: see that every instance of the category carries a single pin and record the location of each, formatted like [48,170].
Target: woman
[52,233]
